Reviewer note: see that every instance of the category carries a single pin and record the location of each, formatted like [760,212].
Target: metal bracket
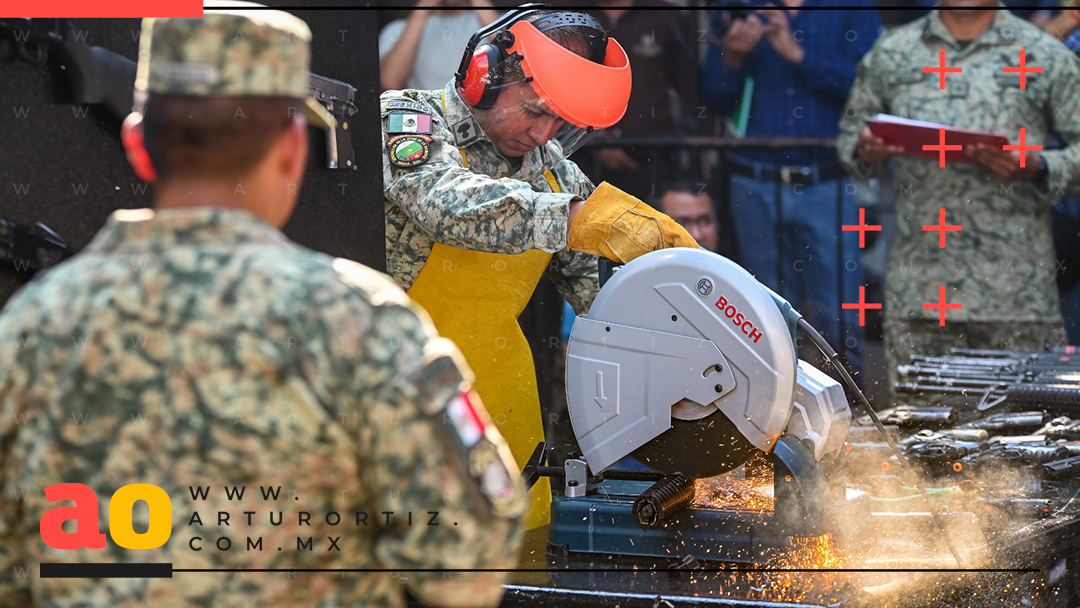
[577,477]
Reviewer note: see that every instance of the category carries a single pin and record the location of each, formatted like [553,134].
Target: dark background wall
[62,164]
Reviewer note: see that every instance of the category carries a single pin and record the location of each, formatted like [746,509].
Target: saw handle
[605,268]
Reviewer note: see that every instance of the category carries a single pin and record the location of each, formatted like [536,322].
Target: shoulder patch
[466,131]
[491,465]
[497,479]
[467,423]
[408,151]
[408,122]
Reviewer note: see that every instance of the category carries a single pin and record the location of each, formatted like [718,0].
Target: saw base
[602,523]
[602,520]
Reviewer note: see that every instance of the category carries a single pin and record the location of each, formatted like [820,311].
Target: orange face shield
[585,94]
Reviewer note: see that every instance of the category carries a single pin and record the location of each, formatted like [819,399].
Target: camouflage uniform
[198,347]
[485,207]
[1000,267]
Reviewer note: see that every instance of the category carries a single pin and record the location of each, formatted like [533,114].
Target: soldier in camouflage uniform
[1000,266]
[194,346]
[481,200]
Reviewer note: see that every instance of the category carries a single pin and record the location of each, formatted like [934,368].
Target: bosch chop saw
[687,364]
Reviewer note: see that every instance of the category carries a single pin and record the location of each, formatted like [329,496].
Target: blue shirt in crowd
[804,100]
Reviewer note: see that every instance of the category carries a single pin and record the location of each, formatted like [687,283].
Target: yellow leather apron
[475,298]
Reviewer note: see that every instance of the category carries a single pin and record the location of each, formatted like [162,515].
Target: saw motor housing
[687,362]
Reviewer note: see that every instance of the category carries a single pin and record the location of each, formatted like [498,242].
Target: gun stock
[97,75]
[33,248]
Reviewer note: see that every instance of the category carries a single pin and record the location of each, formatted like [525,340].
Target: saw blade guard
[678,334]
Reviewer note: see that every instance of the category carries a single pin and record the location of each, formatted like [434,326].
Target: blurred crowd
[732,130]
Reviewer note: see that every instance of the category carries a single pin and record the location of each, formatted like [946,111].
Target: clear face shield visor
[572,137]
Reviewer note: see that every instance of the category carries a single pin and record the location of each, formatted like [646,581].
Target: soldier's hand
[740,39]
[614,224]
[873,149]
[1005,163]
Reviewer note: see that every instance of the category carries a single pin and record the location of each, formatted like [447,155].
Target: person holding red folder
[973,265]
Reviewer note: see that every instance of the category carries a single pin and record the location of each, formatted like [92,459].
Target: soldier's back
[202,349]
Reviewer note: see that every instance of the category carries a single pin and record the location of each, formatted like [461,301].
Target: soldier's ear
[296,139]
[131,135]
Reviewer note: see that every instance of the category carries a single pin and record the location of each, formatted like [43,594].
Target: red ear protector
[478,84]
[138,157]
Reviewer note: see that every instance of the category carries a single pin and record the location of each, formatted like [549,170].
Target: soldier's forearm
[852,162]
[1063,177]
[465,210]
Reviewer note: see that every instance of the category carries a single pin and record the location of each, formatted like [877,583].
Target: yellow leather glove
[620,227]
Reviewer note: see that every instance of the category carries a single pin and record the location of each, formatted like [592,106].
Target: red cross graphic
[861,228]
[942,306]
[942,148]
[862,305]
[941,69]
[1023,70]
[1022,147]
[942,228]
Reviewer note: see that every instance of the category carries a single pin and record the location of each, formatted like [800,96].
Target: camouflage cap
[229,51]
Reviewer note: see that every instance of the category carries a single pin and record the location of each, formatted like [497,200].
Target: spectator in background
[423,51]
[1000,265]
[794,68]
[1037,12]
[690,205]
[1065,26]
[663,57]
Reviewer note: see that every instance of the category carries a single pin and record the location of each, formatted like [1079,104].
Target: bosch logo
[738,318]
[704,287]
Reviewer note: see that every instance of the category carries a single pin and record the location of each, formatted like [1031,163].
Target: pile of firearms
[997,419]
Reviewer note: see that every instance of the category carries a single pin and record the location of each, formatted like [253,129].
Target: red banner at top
[102,8]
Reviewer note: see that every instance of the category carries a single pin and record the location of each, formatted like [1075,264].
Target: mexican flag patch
[400,122]
[467,423]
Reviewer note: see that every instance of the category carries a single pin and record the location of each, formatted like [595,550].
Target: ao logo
[88,534]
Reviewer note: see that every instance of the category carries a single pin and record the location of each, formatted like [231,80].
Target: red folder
[914,134]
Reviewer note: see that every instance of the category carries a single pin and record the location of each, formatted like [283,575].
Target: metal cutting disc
[700,448]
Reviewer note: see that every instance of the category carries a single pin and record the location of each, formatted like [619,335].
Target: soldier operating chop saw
[687,363]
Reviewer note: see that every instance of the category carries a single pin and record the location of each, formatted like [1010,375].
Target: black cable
[833,358]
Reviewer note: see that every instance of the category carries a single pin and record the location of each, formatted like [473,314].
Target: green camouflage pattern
[200,348]
[226,52]
[485,207]
[1001,266]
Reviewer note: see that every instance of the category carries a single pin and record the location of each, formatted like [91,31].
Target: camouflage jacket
[484,207]
[1000,266]
[200,348]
